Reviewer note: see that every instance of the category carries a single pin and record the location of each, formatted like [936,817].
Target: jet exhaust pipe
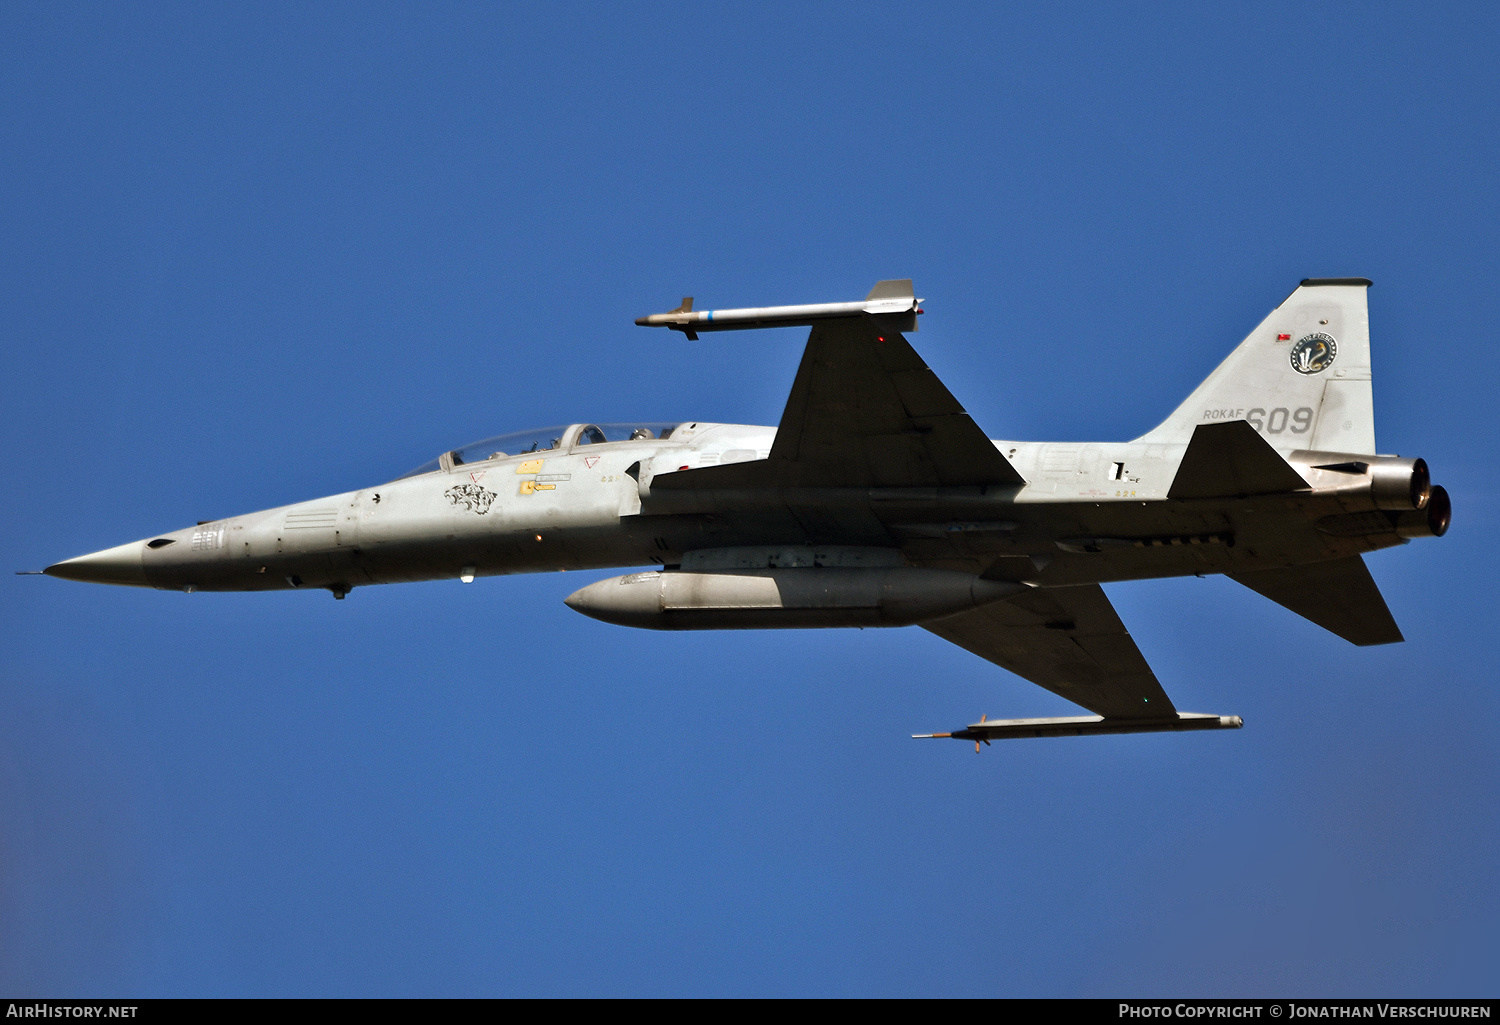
[1430,521]
[1396,485]
[773,597]
[1400,484]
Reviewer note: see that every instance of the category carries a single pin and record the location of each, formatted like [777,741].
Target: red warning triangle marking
[589,461]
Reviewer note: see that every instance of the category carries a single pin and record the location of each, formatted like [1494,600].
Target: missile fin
[899,288]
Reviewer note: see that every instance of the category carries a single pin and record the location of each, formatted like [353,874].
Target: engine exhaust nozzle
[1432,520]
[1400,484]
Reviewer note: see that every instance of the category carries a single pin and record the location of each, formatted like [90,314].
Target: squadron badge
[472,497]
[1314,353]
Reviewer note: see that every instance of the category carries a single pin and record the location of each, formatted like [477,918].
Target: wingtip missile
[987,729]
[961,735]
[891,301]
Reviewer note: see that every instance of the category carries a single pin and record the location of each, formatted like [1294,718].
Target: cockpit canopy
[543,439]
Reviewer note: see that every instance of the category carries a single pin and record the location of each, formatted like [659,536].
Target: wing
[1068,640]
[865,411]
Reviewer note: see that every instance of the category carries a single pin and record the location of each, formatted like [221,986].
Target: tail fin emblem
[1314,353]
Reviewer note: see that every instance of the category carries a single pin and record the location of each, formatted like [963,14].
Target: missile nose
[589,600]
[633,600]
[124,564]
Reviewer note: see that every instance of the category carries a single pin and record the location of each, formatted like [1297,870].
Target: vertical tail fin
[1302,378]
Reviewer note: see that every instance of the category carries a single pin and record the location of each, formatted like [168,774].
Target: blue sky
[257,254]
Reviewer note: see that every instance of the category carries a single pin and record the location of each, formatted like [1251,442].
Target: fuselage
[1087,513]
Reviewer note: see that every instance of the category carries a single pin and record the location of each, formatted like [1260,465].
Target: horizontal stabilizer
[987,730]
[1229,459]
[1340,596]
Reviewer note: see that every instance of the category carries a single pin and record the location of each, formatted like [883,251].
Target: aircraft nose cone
[124,564]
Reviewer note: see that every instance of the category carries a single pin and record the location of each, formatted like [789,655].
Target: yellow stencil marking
[530,466]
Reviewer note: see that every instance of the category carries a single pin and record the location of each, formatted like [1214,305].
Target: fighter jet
[878,502]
